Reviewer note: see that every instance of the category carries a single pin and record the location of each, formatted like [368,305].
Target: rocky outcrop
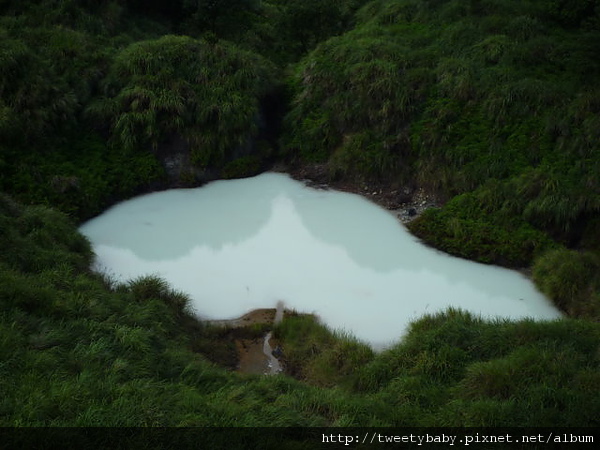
[174,155]
[407,201]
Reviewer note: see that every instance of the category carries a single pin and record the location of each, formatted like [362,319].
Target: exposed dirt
[256,316]
[251,356]
[406,201]
[251,353]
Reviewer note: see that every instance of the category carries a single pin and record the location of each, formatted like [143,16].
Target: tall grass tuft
[208,93]
[571,280]
[314,353]
[152,287]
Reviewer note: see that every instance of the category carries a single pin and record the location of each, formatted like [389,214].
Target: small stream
[274,366]
[273,363]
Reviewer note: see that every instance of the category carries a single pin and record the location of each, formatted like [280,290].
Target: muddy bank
[259,355]
[407,202]
[254,317]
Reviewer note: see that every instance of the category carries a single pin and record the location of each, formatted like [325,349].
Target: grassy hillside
[493,106]
[93,96]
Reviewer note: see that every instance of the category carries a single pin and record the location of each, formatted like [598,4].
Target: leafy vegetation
[316,354]
[178,85]
[80,350]
[91,103]
[493,106]
[570,279]
[454,94]
[468,227]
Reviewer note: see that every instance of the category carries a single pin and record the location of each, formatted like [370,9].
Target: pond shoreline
[406,202]
[258,356]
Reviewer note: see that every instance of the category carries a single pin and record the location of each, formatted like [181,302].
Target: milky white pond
[237,245]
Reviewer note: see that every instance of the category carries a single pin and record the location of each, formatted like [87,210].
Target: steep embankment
[94,111]
[490,105]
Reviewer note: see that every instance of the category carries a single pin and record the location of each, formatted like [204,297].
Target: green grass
[206,92]
[570,279]
[78,349]
[451,95]
[316,354]
[93,98]
[491,105]
[472,226]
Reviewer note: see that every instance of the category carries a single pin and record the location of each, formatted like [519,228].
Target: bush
[464,227]
[206,92]
[571,279]
[314,353]
[451,95]
[151,287]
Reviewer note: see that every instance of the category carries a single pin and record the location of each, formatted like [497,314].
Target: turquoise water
[238,245]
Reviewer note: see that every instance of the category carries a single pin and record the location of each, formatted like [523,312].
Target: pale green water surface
[242,244]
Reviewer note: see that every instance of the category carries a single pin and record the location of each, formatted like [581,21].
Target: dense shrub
[420,92]
[571,279]
[318,355]
[207,92]
[466,228]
